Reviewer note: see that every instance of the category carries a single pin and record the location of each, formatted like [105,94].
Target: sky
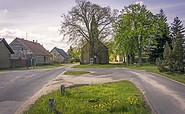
[40,20]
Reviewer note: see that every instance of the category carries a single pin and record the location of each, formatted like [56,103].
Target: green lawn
[75,72]
[180,77]
[117,98]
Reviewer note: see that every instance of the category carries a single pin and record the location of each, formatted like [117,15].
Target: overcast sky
[40,19]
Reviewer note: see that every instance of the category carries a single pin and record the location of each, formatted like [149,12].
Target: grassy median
[180,77]
[118,98]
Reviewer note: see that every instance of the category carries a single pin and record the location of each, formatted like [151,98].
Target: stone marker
[51,103]
[62,88]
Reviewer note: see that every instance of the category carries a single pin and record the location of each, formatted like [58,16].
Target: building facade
[101,55]
[33,52]
[5,54]
[59,55]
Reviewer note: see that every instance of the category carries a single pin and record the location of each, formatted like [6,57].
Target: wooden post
[62,89]
[51,103]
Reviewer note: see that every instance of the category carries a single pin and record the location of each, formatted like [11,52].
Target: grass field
[116,98]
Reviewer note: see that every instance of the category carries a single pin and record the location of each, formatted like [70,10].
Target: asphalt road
[164,95]
[17,86]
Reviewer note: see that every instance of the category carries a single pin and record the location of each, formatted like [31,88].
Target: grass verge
[180,77]
[75,72]
[34,67]
[99,65]
[118,98]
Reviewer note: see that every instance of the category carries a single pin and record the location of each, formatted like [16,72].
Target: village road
[17,86]
[164,95]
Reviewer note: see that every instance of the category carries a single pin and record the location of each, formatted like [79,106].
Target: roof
[6,44]
[62,52]
[34,47]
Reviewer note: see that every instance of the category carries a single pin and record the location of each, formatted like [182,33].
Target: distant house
[59,55]
[35,53]
[5,54]
[100,53]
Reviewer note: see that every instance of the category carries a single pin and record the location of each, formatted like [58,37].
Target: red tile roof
[35,47]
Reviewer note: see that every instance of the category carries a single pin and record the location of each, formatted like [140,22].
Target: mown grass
[111,65]
[180,77]
[46,66]
[116,98]
[74,72]
[33,67]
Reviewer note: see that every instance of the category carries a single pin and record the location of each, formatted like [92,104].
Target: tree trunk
[91,52]
[140,56]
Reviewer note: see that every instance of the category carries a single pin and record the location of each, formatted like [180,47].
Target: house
[59,55]
[35,53]
[5,54]
[100,53]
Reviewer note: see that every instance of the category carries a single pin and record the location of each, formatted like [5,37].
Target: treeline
[139,32]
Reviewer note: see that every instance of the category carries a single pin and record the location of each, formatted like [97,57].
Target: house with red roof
[34,52]
[5,54]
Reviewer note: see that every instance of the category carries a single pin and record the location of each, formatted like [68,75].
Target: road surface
[17,86]
[164,95]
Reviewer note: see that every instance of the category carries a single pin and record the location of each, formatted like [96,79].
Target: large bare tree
[89,22]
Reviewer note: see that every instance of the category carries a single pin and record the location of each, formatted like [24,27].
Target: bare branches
[78,23]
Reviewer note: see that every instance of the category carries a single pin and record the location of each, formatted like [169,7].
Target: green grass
[115,98]
[180,77]
[99,65]
[46,66]
[34,67]
[75,72]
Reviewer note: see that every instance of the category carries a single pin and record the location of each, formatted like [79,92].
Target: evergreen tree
[177,54]
[174,57]
[177,28]
[161,37]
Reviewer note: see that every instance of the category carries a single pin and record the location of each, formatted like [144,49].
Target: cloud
[139,2]
[11,33]
[53,29]
[3,11]
[49,41]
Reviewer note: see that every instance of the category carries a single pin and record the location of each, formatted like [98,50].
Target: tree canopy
[87,21]
[134,30]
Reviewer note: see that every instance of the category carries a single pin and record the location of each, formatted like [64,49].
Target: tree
[177,54]
[74,54]
[177,35]
[112,52]
[161,37]
[134,30]
[177,28]
[87,21]
[174,55]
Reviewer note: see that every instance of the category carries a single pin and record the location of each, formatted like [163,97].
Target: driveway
[16,87]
